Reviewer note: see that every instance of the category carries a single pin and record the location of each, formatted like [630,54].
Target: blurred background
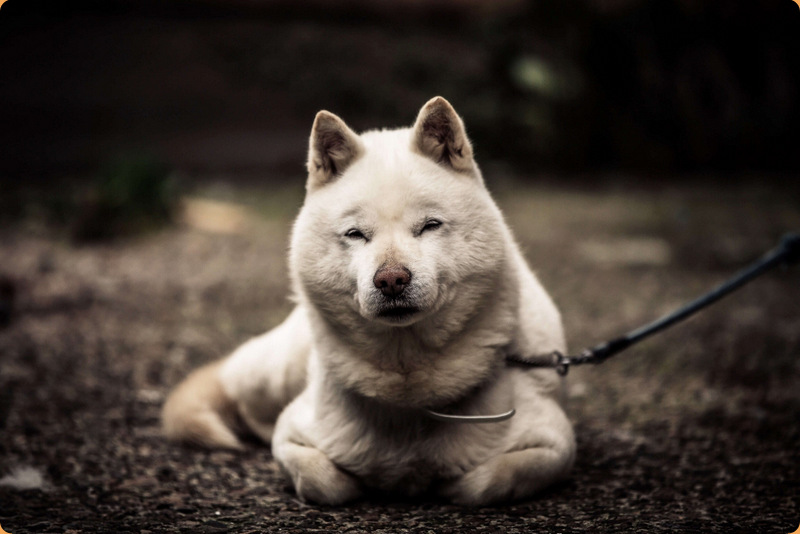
[152,158]
[587,91]
[232,85]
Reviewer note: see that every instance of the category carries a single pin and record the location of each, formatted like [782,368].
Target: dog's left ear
[332,148]
[439,134]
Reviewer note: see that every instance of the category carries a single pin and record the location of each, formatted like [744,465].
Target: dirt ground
[693,431]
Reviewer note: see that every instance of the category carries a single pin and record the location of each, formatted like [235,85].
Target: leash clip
[561,363]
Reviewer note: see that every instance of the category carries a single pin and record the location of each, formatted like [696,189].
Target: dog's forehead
[392,180]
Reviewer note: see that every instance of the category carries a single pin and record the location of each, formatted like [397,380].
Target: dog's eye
[431,224]
[354,233]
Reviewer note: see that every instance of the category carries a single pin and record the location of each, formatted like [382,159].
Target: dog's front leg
[314,476]
[540,451]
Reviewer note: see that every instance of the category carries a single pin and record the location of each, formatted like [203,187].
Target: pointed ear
[332,148]
[439,134]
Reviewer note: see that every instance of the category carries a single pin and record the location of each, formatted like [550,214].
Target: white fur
[351,383]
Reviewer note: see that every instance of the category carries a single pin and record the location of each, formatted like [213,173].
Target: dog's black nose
[392,280]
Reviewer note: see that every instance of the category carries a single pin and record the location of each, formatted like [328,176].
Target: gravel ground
[695,431]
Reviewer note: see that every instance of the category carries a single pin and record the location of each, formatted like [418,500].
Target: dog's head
[397,225]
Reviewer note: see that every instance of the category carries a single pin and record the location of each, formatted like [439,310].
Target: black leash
[786,253]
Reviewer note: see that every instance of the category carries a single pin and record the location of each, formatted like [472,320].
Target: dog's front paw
[510,476]
[316,478]
[474,488]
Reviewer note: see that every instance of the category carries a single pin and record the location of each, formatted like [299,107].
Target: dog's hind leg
[265,374]
[199,412]
[245,391]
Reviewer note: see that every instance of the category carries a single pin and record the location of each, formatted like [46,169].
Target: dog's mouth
[401,311]
[398,313]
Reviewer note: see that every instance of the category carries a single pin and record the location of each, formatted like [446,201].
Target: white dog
[410,294]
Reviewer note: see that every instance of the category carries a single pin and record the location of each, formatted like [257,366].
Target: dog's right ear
[332,148]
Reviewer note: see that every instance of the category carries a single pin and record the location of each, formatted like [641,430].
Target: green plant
[133,193]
